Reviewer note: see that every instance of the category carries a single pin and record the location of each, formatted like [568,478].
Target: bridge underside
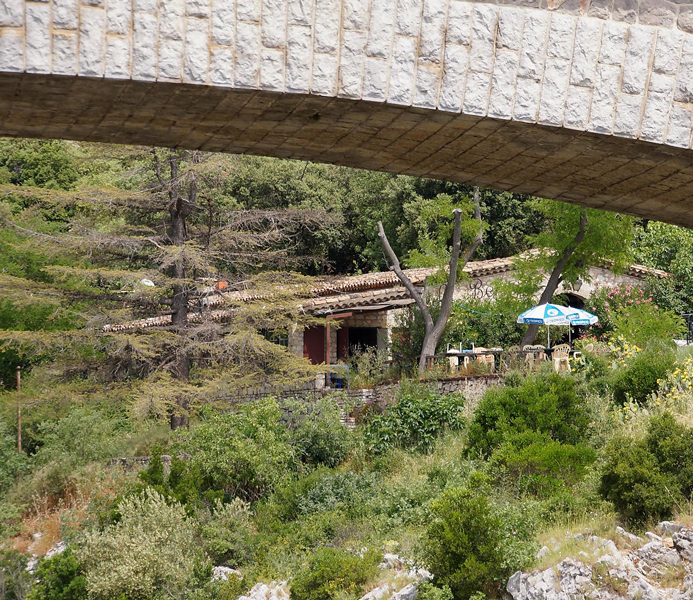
[630,176]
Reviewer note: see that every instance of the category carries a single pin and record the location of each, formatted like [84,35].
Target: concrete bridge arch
[586,101]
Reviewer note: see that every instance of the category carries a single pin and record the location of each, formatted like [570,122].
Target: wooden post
[19,409]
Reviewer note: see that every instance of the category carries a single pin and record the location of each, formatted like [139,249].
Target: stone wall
[472,388]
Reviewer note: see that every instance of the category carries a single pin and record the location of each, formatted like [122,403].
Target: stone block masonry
[587,102]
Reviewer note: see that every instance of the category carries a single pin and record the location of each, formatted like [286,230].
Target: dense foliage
[280,489]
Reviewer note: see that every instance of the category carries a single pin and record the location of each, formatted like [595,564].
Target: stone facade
[587,101]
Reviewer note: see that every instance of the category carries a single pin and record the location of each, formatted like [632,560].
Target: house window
[276,337]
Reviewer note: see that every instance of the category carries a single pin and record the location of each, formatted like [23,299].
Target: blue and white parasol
[547,314]
[582,317]
[555,314]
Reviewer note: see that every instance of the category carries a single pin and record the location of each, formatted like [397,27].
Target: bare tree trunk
[180,208]
[556,277]
[433,330]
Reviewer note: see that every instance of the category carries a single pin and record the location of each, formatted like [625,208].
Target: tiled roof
[342,293]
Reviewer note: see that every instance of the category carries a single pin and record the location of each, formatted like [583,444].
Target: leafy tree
[670,248]
[47,164]
[575,239]
[149,251]
[433,247]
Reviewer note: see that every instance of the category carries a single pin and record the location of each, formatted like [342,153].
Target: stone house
[364,307]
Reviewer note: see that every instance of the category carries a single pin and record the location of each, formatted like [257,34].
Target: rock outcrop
[635,569]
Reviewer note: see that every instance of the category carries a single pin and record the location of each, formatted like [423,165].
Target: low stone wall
[471,387]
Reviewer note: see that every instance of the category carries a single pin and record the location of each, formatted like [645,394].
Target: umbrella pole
[570,334]
[548,336]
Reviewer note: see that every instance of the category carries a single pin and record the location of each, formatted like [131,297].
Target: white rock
[65,14]
[172,20]
[604,98]
[59,548]
[683,542]
[170,59]
[324,79]
[300,12]
[224,22]
[668,528]
[375,79]
[223,573]
[221,66]
[408,17]
[527,100]
[249,10]
[577,107]
[655,117]
[637,63]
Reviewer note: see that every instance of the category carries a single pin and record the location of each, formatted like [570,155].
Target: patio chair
[535,355]
[485,359]
[559,356]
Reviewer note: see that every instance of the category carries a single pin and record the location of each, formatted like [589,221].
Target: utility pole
[19,409]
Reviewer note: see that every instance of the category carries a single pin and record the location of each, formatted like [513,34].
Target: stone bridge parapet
[585,101]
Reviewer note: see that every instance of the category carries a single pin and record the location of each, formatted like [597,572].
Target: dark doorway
[575,301]
[363,337]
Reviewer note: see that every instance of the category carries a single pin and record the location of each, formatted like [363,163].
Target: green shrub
[345,491]
[245,453]
[60,577]
[333,573]
[414,422]
[672,446]
[535,464]
[428,591]
[546,404]
[645,323]
[639,378]
[153,549]
[227,533]
[469,546]
[12,463]
[632,480]
[14,578]
[316,431]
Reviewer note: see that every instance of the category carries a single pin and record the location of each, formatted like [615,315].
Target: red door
[314,344]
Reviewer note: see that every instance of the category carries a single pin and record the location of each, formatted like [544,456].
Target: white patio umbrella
[555,314]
